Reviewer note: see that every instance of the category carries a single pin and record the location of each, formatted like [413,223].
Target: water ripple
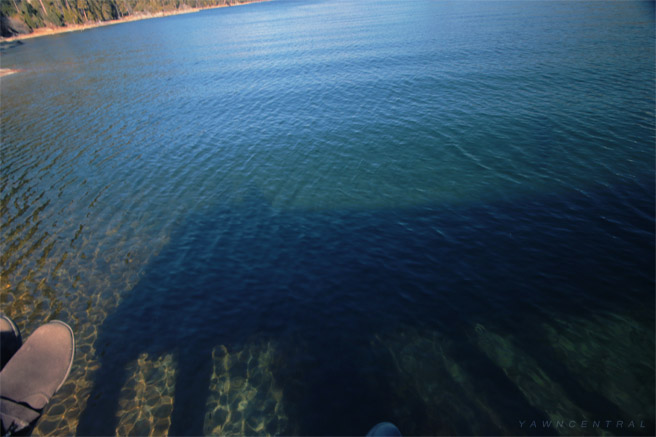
[386,183]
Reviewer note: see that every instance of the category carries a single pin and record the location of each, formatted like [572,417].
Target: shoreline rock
[10,27]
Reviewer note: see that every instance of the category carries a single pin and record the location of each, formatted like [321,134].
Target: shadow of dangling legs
[100,415]
[192,383]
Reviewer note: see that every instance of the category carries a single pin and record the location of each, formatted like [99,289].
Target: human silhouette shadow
[236,274]
[329,280]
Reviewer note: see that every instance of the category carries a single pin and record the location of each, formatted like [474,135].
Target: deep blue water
[312,216]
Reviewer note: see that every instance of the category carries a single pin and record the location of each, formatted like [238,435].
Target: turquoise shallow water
[306,217]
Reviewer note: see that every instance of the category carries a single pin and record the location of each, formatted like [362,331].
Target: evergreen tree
[108,11]
[30,16]
[82,6]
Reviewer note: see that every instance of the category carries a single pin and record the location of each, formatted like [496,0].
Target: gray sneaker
[32,376]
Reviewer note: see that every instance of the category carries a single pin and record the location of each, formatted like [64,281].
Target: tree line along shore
[28,18]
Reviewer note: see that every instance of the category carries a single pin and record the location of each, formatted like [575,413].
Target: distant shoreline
[8,71]
[47,31]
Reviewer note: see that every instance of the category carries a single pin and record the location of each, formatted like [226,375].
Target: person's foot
[10,340]
[384,429]
[33,375]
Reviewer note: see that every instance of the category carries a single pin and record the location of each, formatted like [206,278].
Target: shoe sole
[11,323]
[70,362]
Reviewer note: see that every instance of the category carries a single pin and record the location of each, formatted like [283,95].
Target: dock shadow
[322,284]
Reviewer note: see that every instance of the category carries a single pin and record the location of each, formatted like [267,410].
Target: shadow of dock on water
[276,314]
